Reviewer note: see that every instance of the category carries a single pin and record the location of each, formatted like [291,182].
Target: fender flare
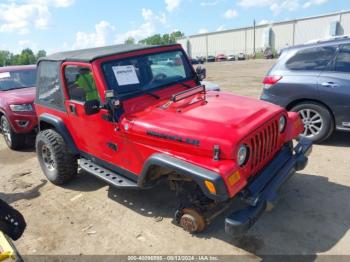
[197,173]
[61,128]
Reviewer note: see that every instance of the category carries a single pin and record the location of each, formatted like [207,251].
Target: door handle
[329,84]
[73,109]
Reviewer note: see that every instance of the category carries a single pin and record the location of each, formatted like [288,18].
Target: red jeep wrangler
[124,115]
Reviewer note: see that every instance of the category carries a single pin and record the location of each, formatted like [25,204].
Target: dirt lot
[89,217]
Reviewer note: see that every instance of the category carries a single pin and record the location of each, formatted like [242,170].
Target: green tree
[26,57]
[16,60]
[174,36]
[41,53]
[164,39]
[5,58]
[152,40]
[130,41]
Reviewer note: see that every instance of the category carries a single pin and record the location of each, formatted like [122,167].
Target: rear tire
[318,121]
[57,163]
[13,140]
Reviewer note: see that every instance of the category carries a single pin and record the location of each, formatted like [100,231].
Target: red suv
[125,116]
[17,114]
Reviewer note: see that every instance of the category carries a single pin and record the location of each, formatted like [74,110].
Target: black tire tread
[66,163]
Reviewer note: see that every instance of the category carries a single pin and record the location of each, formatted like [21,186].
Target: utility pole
[254,37]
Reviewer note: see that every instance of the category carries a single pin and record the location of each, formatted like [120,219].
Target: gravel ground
[89,217]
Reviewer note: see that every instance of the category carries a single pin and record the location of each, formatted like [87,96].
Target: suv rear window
[342,63]
[316,58]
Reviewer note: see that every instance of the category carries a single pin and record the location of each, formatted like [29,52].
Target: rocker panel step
[106,175]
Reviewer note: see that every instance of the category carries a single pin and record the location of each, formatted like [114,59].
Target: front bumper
[23,123]
[261,193]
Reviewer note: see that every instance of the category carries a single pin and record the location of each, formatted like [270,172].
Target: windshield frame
[153,51]
[17,71]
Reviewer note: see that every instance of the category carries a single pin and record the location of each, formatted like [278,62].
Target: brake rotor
[192,221]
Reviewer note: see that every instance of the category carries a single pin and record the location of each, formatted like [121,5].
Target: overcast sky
[56,25]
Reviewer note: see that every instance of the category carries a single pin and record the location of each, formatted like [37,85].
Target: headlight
[282,123]
[21,108]
[242,155]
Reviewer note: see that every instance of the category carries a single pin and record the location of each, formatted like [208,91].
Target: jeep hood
[195,127]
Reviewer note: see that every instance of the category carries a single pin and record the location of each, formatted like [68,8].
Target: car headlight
[242,155]
[282,123]
[21,108]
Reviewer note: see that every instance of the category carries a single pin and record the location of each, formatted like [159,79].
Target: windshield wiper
[185,85]
[140,92]
[152,95]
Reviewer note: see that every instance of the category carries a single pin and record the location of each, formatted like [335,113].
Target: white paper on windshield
[125,75]
[5,75]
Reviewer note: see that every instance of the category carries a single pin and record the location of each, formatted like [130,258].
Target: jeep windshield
[142,74]
[17,79]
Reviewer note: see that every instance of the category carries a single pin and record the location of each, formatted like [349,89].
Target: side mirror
[201,73]
[109,94]
[113,105]
[111,101]
[92,107]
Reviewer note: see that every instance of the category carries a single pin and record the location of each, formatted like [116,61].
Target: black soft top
[91,54]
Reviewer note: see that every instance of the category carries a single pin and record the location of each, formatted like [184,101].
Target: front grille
[264,145]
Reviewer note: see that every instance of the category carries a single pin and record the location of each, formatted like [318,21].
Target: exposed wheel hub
[192,221]
[189,223]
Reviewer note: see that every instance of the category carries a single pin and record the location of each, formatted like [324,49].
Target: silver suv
[314,80]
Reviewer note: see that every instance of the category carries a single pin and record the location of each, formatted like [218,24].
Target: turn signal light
[234,178]
[210,187]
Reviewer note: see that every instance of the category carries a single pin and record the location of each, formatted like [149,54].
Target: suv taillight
[270,81]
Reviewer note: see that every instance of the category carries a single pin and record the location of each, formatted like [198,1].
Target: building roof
[88,55]
[264,25]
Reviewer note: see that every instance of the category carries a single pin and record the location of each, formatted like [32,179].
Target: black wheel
[317,119]
[13,140]
[58,164]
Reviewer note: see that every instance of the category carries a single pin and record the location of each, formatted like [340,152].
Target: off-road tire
[61,166]
[13,140]
[327,118]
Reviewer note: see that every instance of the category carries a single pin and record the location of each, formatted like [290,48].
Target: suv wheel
[13,140]
[58,164]
[317,119]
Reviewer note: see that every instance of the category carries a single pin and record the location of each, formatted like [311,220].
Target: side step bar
[106,175]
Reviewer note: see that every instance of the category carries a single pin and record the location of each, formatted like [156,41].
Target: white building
[276,35]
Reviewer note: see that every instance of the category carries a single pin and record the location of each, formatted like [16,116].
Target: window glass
[342,63]
[316,58]
[142,73]
[80,83]
[49,90]
[17,79]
